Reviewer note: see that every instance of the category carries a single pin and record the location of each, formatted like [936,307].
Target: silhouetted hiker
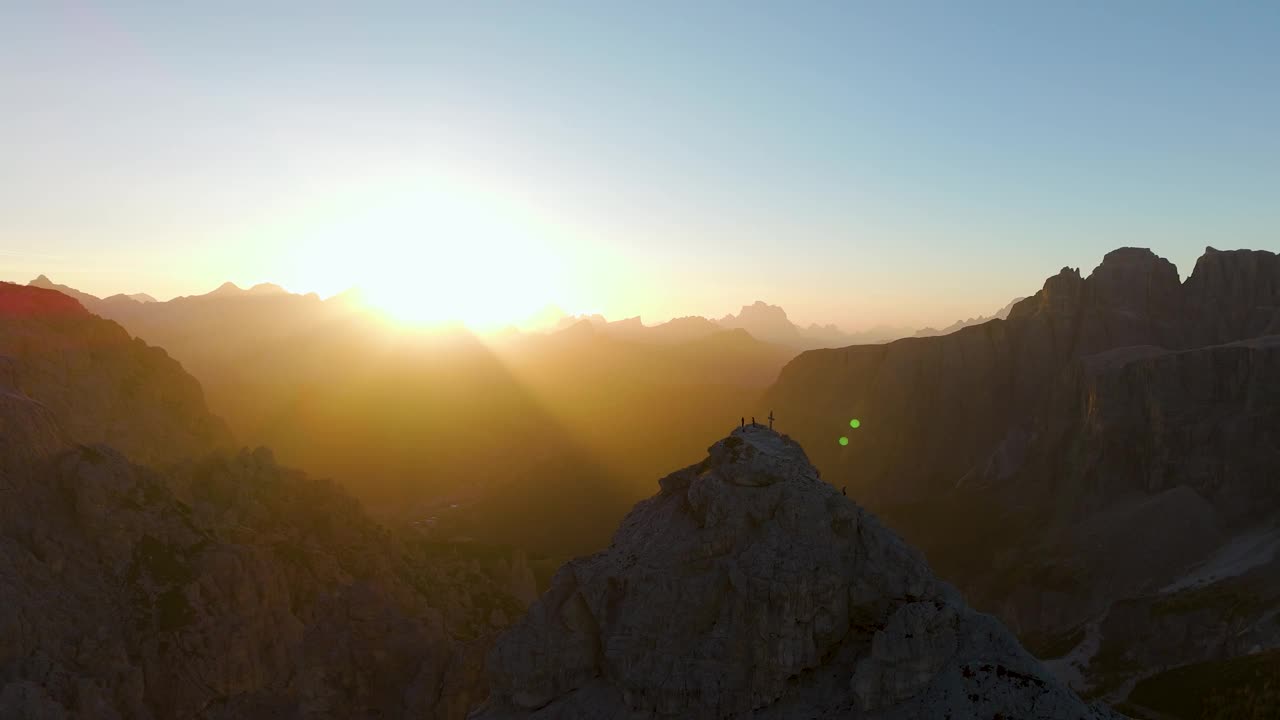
[743,420]
[753,421]
[770,419]
[844,490]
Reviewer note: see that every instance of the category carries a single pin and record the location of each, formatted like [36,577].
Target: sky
[860,163]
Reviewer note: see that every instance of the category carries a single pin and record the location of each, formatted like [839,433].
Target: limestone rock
[935,409]
[219,587]
[262,594]
[748,587]
[1068,465]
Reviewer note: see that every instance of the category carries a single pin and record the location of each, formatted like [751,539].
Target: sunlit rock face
[204,584]
[748,587]
[101,384]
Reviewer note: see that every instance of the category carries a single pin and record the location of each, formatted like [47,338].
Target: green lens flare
[844,440]
[855,423]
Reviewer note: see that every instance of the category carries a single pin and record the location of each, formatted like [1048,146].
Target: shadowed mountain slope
[102,385]
[219,586]
[749,588]
[1096,468]
[934,409]
[422,427]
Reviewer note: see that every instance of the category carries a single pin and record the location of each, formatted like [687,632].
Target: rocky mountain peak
[267,289]
[764,322]
[1059,296]
[1234,294]
[101,384]
[759,311]
[1136,279]
[755,456]
[36,302]
[749,587]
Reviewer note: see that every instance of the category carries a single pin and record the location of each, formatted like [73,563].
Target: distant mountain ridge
[765,322]
[411,419]
[1000,314]
[768,323]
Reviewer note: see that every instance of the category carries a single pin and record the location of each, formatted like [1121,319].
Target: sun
[454,283]
[431,257]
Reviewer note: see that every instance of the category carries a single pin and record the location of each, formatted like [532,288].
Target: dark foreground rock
[748,587]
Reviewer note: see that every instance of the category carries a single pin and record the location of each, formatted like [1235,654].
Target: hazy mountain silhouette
[85,299]
[230,289]
[1000,314]
[91,302]
[770,323]
[211,584]
[767,323]
[1072,465]
[106,386]
[1094,468]
[423,427]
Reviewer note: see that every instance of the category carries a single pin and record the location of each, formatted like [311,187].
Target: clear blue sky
[897,162]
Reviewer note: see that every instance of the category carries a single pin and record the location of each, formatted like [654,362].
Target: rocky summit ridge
[748,587]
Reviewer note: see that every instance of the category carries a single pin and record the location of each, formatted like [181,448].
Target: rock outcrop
[935,409]
[748,587]
[210,585]
[101,384]
[225,588]
[1160,543]
[1070,465]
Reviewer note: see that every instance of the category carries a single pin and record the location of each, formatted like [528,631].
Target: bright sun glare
[430,257]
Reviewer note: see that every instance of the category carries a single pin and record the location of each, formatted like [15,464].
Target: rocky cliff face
[1160,544]
[219,585]
[1233,295]
[1081,458]
[934,409]
[226,588]
[750,588]
[101,384]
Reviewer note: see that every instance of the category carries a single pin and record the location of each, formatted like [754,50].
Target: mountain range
[765,322]
[216,583]
[148,570]
[1000,314]
[1095,469]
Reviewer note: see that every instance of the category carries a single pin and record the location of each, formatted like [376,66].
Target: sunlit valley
[532,364]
